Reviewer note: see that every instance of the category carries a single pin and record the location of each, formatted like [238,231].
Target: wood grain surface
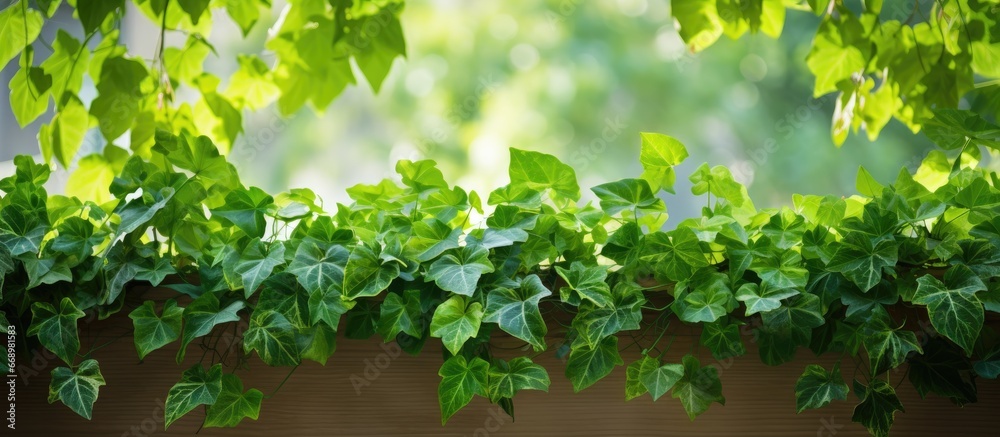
[399,397]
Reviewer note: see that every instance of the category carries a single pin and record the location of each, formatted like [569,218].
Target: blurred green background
[576,79]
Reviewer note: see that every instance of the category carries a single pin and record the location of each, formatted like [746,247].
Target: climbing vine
[416,258]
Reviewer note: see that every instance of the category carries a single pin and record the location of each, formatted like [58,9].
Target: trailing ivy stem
[283,381]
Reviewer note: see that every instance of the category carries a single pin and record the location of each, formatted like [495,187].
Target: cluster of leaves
[314,44]
[884,59]
[417,258]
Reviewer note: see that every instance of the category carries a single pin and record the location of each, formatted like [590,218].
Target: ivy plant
[415,258]
[884,60]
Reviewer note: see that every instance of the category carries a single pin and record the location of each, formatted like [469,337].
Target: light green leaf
[155,331]
[119,92]
[832,58]
[30,88]
[700,25]
[257,262]
[634,387]
[539,171]
[659,154]
[19,27]
[456,321]
[77,389]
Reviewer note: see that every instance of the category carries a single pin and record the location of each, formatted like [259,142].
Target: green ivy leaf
[762,297]
[155,331]
[989,366]
[30,88]
[455,321]
[722,337]
[516,311]
[952,305]
[634,387]
[196,387]
[593,323]
[832,57]
[861,259]
[202,315]
[887,347]
[816,387]
[93,14]
[56,329]
[587,365]
[803,312]
[719,181]
[77,389]
[140,211]
[273,337]
[257,262]
[461,379]
[700,24]
[507,378]
[879,404]
[233,404]
[657,378]
[19,27]
[705,297]
[459,270]
[698,388]
[942,369]
[246,209]
[676,255]
[539,171]
[659,154]
[366,274]
[781,272]
[282,294]
[119,91]
[628,194]
[401,313]
[318,266]
[588,283]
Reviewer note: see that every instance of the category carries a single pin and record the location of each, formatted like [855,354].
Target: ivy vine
[417,258]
